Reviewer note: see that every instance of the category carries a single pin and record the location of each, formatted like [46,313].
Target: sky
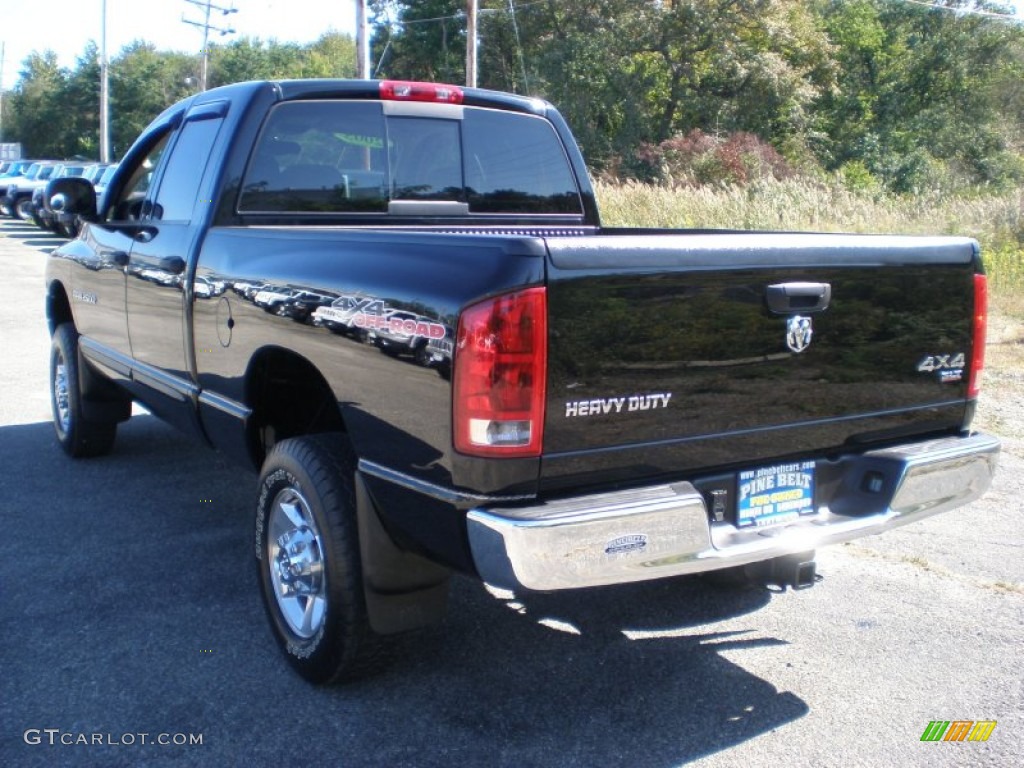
[66,26]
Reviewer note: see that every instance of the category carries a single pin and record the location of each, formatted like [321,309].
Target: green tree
[919,101]
[80,124]
[333,55]
[253,59]
[35,106]
[626,72]
[423,40]
[143,83]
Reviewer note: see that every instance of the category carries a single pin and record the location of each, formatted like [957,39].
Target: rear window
[348,157]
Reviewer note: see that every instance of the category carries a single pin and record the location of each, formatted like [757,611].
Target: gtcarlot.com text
[56,736]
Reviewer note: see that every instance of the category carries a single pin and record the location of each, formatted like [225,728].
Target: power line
[462,16]
[207,6]
[1008,17]
[519,45]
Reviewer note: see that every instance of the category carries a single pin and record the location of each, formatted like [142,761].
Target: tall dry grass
[996,221]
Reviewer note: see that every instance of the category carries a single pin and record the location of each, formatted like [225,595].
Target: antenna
[208,7]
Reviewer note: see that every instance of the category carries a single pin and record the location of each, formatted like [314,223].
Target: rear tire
[79,437]
[307,556]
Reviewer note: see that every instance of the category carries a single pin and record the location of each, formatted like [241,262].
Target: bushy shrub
[699,158]
[857,177]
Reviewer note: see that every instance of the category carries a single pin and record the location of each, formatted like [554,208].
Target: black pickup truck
[397,303]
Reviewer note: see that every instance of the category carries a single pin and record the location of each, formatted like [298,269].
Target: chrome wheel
[61,397]
[296,562]
[78,435]
[308,560]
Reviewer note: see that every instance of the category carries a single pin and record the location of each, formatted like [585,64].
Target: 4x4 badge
[798,333]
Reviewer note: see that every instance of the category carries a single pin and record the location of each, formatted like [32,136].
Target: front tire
[307,553]
[422,355]
[23,210]
[79,437]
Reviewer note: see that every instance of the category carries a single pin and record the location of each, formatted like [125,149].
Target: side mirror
[71,195]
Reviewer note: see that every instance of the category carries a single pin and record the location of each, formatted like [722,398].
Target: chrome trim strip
[156,379]
[669,441]
[664,530]
[105,356]
[441,492]
[423,109]
[165,383]
[427,208]
[225,405]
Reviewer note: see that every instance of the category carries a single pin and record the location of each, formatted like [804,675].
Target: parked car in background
[103,179]
[35,209]
[407,333]
[69,224]
[207,288]
[14,168]
[271,297]
[18,194]
[301,305]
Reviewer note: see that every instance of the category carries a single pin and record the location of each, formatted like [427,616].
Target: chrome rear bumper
[665,530]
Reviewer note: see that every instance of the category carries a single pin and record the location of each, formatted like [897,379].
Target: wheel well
[58,307]
[289,397]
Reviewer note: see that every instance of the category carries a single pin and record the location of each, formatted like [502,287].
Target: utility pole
[2,47]
[362,41]
[471,43]
[207,7]
[104,90]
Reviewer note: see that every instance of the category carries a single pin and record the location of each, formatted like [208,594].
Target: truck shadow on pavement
[629,675]
[130,605]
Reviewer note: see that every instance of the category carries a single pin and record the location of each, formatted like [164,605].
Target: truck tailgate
[676,354]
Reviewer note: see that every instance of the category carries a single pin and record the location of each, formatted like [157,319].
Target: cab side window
[178,192]
[128,204]
[319,156]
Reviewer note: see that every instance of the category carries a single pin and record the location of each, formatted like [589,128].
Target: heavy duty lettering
[606,405]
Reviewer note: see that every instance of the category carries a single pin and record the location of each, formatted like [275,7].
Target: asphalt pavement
[131,629]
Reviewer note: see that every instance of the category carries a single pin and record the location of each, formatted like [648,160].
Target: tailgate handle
[787,298]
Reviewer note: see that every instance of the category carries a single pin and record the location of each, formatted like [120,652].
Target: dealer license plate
[772,495]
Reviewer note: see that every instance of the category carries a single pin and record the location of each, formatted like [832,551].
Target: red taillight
[499,375]
[978,328]
[401,90]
